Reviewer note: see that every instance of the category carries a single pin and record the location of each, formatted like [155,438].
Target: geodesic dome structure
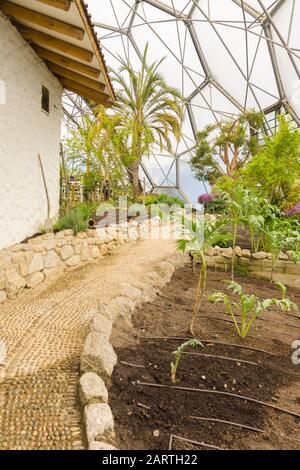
[226,56]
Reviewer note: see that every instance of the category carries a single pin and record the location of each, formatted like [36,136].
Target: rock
[84,252]
[153,279]
[260,255]
[3,296]
[5,261]
[238,251]
[99,422]
[23,269]
[95,252]
[103,249]
[128,291]
[148,292]
[165,269]
[118,307]
[81,235]
[2,278]
[66,252]
[246,254]
[37,264]
[92,389]
[226,252]
[60,235]
[98,355]
[49,245]
[14,285]
[52,259]
[210,251]
[283,256]
[96,445]
[53,273]
[33,280]
[69,232]
[102,325]
[178,259]
[73,261]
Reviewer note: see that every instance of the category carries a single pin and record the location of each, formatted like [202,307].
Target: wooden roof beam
[65,62]
[61,4]
[76,77]
[21,13]
[88,93]
[42,39]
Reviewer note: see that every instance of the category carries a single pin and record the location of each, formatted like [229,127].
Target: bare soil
[160,416]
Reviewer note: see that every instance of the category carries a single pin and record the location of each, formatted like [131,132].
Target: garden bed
[150,413]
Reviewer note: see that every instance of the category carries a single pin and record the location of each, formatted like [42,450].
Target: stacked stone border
[258,264]
[46,257]
[98,358]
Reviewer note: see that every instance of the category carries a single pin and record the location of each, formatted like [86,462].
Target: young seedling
[192,343]
[250,306]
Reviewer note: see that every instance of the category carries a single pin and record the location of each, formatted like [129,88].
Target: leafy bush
[76,218]
[249,306]
[273,171]
[152,199]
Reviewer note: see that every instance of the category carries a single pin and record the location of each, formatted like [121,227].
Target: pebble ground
[44,331]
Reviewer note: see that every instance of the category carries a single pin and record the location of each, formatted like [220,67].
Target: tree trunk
[135,180]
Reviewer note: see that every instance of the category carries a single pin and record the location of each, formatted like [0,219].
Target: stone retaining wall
[27,265]
[98,358]
[258,264]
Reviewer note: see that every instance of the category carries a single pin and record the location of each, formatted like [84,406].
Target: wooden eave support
[21,13]
[61,4]
[66,62]
[93,95]
[51,42]
[75,77]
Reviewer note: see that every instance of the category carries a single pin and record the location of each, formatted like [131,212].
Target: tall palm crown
[149,111]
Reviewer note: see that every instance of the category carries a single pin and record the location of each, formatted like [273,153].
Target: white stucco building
[45,46]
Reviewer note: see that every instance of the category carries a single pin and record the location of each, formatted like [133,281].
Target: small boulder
[73,261]
[3,296]
[246,254]
[95,252]
[99,422]
[98,355]
[96,445]
[33,280]
[210,251]
[226,252]
[14,285]
[52,259]
[66,252]
[102,325]
[92,389]
[132,292]
[118,307]
[37,264]
[260,255]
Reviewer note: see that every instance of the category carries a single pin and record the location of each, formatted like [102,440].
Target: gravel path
[44,333]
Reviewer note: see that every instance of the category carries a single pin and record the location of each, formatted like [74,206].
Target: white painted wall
[25,132]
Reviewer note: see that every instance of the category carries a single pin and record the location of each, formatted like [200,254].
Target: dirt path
[44,332]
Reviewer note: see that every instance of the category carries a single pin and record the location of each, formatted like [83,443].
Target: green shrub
[76,218]
[163,199]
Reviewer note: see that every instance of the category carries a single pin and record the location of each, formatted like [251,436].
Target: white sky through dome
[225,56]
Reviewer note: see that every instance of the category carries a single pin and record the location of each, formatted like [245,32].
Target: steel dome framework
[225,56]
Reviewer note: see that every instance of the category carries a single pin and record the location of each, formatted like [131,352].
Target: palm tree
[149,112]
